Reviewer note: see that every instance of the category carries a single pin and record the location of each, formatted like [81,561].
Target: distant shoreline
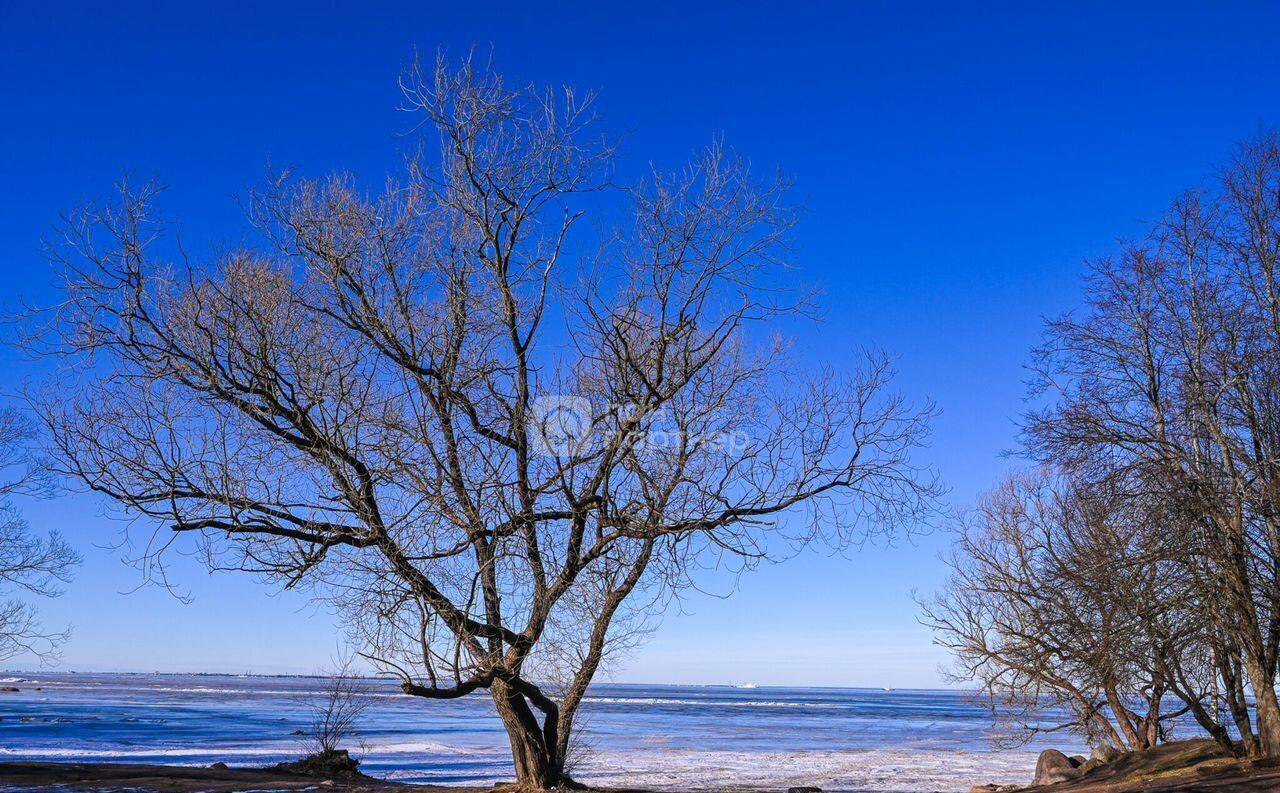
[313,676]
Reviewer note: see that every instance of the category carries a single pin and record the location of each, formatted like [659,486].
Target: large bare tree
[1171,377]
[472,420]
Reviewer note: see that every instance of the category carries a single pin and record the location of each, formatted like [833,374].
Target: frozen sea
[669,737]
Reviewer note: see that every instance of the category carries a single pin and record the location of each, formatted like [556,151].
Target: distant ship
[747,685]
[886,688]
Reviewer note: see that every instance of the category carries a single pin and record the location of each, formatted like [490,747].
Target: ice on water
[670,737]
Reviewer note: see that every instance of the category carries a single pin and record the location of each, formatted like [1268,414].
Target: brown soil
[183,779]
[1180,767]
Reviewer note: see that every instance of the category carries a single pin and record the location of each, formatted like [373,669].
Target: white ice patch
[882,770]
[905,771]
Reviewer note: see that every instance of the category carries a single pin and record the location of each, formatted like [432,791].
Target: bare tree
[476,426]
[28,563]
[336,710]
[1066,598]
[1172,375]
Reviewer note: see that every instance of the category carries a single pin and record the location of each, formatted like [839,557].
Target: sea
[652,736]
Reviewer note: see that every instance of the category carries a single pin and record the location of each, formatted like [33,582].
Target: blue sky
[958,164]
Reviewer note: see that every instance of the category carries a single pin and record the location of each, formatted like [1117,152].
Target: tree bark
[1230,672]
[1267,708]
[1207,721]
[537,760]
[1121,715]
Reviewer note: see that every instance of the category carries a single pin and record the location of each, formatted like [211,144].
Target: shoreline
[1194,766]
[18,777]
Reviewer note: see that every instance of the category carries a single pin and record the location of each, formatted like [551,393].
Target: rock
[1054,767]
[804,790]
[10,689]
[985,789]
[218,766]
[1106,753]
[331,763]
[298,732]
[1091,764]
[1078,760]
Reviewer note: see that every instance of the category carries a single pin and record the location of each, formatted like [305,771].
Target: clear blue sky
[958,164]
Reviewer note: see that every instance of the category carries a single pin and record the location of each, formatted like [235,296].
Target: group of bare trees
[1066,596]
[1141,566]
[483,413]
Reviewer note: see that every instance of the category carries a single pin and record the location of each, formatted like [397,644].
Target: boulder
[1091,764]
[1078,760]
[1106,753]
[329,763]
[1053,767]
[219,766]
[10,689]
[804,790]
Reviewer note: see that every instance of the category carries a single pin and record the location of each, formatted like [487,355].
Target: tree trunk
[1182,687]
[1207,721]
[1233,684]
[1209,724]
[1267,707]
[537,762]
[1151,731]
[1122,717]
